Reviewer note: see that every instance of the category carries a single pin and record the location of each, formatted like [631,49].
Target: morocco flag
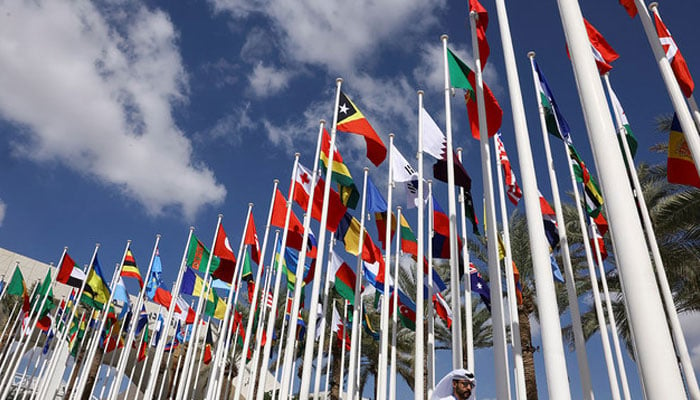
[461,76]
[351,120]
[674,56]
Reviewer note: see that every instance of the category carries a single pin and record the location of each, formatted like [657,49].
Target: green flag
[198,256]
[17,286]
[459,71]
[42,291]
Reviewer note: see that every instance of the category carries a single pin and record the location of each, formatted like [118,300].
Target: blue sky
[123,119]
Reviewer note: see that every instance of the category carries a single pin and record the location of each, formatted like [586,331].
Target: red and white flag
[512,187]
[227,260]
[603,52]
[442,309]
[302,192]
[674,56]
[339,329]
[251,238]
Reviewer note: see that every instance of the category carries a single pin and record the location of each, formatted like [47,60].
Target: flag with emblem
[680,167]
[303,187]
[351,120]
[223,265]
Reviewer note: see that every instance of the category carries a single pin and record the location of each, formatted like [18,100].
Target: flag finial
[531,54]
[653,5]
[338,80]
[443,37]
[420,92]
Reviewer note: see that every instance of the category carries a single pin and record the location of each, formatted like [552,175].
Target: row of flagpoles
[237,354]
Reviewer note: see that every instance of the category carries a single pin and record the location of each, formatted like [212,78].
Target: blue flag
[556,124]
[375,200]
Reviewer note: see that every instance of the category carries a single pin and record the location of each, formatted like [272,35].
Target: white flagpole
[188,365]
[395,308]
[124,358]
[384,324]
[468,312]
[259,330]
[200,359]
[657,364]
[315,288]
[430,364]
[271,320]
[667,296]
[579,340]
[158,355]
[330,356]
[418,361]
[282,340]
[499,331]
[553,350]
[322,322]
[167,365]
[520,392]
[608,305]
[218,364]
[355,337]
[342,351]
[690,131]
[457,358]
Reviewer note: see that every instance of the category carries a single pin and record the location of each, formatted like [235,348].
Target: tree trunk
[524,312]
[336,379]
[92,374]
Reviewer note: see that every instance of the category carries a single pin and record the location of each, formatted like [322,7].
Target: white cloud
[268,81]
[3,209]
[338,35]
[96,92]
[690,322]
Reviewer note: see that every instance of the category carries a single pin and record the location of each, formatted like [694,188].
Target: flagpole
[667,296]
[555,362]
[457,358]
[430,364]
[356,334]
[330,356]
[259,330]
[579,340]
[342,350]
[92,350]
[311,328]
[157,357]
[278,277]
[124,358]
[183,390]
[384,324]
[394,310]
[322,321]
[499,333]
[657,364]
[520,392]
[418,363]
[468,312]
[217,369]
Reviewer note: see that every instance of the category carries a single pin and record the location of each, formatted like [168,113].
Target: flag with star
[351,120]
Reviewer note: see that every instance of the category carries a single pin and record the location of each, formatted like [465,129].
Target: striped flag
[343,278]
[69,273]
[340,173]
[129,268]
[512,187]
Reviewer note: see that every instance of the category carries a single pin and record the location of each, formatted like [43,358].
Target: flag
[512,188]
[207,346]
[380,220]
[2,285]
[409,243]
[154,280]
[595,236]
[631,139]
[435,144]
[191,283]
[120,293]
[291,259]
[461,76]
[629,6]
[224,259]
[601,223]
[674,57]
[296,229]
[343,278]
[680,167]
[69,273]
[592,196]
[516,273]
[482,23]
[45,290]
[554,120]
[402,171]
[143,346]
[441,235]
[479,286]
[302,193]
[251,238]
[366,324]
[340,173]
[339,329]
[551,229]
[247,277]
[17,287]
[602,51]
[375,200]
[351,120]
[442,309]
[96,292]
[198,256]
[129,268]
[183,312]
[406,307]
[76,332]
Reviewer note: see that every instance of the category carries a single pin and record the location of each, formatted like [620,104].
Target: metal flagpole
[499,331]
[394,310]
[579,340]
[322,321]
[330,355]
[384,324]
[271,320]
[520,392]
[418,360]
[355,332]
[457,358]
[430,364]
[158,355]
[259,331]
[468,312]
[553,350]
[667,296]
[342,351]
[657,364]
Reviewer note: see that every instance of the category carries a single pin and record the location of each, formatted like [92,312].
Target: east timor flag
[351,120]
